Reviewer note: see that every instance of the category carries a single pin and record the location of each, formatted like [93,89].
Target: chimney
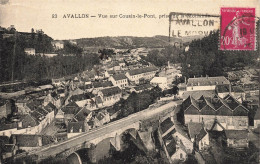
[39,141]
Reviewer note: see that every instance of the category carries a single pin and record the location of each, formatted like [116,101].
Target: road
[56,148]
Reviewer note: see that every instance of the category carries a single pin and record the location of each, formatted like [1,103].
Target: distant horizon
[49,16]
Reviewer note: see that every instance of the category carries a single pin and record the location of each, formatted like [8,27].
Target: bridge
[113,130]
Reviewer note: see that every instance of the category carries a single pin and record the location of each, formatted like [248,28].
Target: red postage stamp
[237,30]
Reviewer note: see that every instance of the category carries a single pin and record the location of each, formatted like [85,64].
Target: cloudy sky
[37,14]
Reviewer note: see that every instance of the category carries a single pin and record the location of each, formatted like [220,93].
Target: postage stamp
[237,30]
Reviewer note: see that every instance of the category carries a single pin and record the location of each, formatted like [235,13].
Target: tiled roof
[207,81]
[28,121]
[228,106]
[8,126]
[8,148]
[81,97]
[236,134]
[71,108]
[111,91]
[27,140]
[194,129]
[171,147]
[119,77]
[142,70]
[102,84]
[201,134]
[198,94]
[82,114]
[225,88]
[76,126]
[166,124]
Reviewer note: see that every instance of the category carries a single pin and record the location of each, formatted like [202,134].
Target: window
[181,156]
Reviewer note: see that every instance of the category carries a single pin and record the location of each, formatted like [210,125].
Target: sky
[37,14]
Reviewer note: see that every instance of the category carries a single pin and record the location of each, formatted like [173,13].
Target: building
[57,44]
[198,135]
[257,118]
[236,91]
[119,80]
[160,81]
[237,138]
[109,96]
[142,73]
[228,111]
[205,83]
[141,88]
[29,51]
[29,142]
[76,128]
[5,108]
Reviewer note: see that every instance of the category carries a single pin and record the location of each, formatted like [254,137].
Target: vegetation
[16,65]
[137,102]
[204,58]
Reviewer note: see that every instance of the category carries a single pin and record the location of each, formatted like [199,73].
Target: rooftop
[111,91]
[207,81]
[119,77]
[236,134]
[142,70]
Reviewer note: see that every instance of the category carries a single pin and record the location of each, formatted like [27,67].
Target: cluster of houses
[211,105]
[76,102]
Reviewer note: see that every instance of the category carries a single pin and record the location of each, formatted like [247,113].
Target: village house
[52,98]
[205,83]
[76,128]
[228,111]
[57,44]
[101,85]
[109,73]
[142,73]
[5,108]
[198,135]
[119,80]
[29,142]
[235,91]
[29,51]
[8,150]
[68,112]
[180,153]
[110,96]
[237,138]
[101,119]
[141,88]
[159,81]
[83,115]
[86,99]
[257,118]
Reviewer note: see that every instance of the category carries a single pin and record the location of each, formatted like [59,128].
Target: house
[198,135]
[69,111]
[83,115]
[83,100]
[57,44]
[141,73]
[141,88]
[180,154]
[101,118]
[27,124]
[229,112]
[236,91]
[119,80]
[181,137]
[257,118]
[52,98]
[110,96]
[110,73]
[5,108]
[205,83]
[182,88]
[8,150]
[29,51]
[101,85]
[197,94]
[76,128]
[237,138]
[30,142]
[8,129]
[159,81]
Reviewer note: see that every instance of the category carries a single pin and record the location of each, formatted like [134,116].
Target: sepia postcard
[129,81]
